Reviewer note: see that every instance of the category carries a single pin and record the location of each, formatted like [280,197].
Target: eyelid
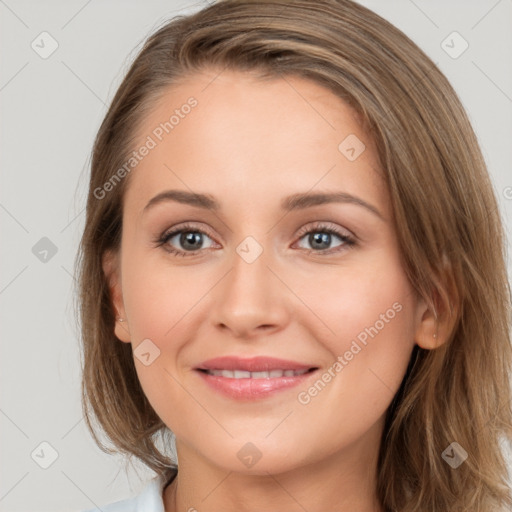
[192,226]
[324,224]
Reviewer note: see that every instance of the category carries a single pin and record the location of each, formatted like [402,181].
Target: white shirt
[150,499]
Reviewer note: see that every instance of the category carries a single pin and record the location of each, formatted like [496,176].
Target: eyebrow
[290,203]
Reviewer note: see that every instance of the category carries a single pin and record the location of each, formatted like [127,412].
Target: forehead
[234,134]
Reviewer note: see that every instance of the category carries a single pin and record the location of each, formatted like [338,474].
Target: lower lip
[250,389]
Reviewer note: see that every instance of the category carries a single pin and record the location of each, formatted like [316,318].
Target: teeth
[242,374]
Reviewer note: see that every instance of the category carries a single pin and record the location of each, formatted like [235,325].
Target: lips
[253,364]
[253,378]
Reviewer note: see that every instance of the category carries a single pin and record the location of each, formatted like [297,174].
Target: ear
[438,315]
[111,269]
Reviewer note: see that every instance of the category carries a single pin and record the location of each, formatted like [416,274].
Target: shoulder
[149,499]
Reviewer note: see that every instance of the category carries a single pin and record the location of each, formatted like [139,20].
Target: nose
[252,299]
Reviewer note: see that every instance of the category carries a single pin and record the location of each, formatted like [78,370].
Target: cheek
[372,301]
[159,298]
[372,317]
[160,304]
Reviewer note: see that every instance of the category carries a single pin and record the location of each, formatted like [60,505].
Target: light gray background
[51,110]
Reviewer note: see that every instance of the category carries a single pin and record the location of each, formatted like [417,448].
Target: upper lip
[252,364]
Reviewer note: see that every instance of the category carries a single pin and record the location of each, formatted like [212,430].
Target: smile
[255,378]
[243,374]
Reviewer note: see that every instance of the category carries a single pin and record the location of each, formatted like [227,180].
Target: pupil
[319,238]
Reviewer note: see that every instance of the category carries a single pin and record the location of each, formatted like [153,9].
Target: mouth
[243,374]
[254,378]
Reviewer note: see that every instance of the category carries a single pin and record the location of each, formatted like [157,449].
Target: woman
[293,268]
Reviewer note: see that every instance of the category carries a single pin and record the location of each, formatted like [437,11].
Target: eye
[321,235]
[191,239]
[188,236]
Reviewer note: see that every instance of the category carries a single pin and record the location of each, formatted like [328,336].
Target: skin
[251,143]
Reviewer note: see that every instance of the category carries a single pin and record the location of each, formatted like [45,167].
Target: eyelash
[347,240]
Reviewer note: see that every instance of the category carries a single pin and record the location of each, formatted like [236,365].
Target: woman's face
[262,275]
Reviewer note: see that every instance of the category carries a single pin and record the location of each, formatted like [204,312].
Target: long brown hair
[446,216]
